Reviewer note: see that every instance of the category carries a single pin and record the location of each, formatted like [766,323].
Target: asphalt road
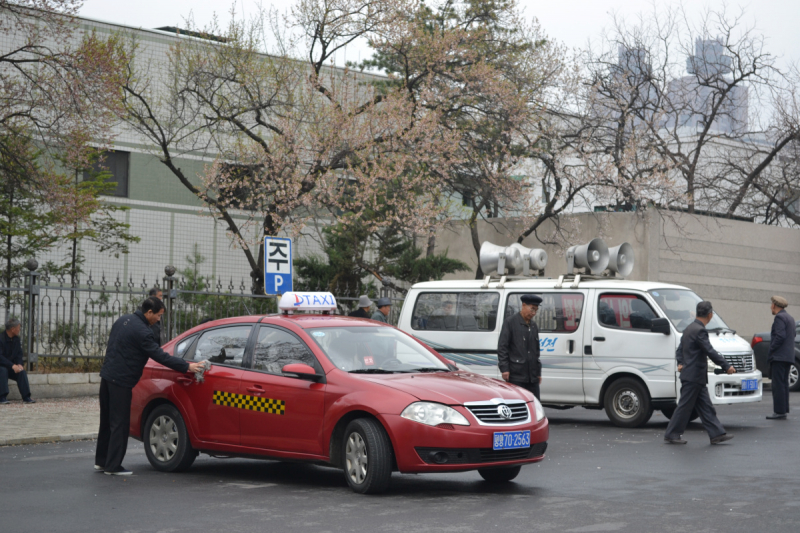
[595,478]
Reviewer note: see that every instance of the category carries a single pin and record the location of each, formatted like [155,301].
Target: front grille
[490,412]
[741,362]
[457,456]
[735,389]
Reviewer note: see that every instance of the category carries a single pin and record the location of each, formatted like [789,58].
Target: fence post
[169,283]
[30,320]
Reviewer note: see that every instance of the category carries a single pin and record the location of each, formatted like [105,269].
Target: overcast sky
[572,22]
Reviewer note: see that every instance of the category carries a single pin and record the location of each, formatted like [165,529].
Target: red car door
[284,413]
[215,400]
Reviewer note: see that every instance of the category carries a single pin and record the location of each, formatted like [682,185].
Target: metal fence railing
[72,318]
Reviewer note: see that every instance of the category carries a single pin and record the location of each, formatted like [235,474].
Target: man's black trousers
[694,396]
[533,387]
[115,421]
[780,387]
[22,382]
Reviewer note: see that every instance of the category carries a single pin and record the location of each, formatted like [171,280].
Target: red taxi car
[348,392]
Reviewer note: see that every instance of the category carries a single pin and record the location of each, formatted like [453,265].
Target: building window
[117,164]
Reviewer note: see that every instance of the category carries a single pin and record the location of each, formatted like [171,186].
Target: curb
[42,440]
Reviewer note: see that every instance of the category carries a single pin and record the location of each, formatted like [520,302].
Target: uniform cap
[364,301]
[383,301]
[530,299]
[780,301]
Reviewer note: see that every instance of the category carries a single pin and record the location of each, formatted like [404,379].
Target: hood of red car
[452,388]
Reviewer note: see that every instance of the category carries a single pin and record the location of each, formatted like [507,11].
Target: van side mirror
[659,325]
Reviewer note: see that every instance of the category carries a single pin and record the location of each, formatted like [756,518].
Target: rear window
[456,311]
[558,312]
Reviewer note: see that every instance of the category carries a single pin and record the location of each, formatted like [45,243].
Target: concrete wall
[58,386]
[736,265]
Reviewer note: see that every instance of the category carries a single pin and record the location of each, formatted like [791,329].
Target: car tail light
[756,340]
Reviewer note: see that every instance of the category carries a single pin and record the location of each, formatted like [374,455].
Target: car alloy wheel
[794,376]
[356,458]
[164,438]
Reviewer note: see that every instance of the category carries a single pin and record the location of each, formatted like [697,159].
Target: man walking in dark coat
[11,366]
[156,292]
[693,353]
[781,357]
[518,347]
[130,345]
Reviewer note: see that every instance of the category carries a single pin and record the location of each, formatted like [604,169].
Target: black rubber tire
[378,454]
[670,411]
[499,475]
[796,368]
[631,394]
[183,453]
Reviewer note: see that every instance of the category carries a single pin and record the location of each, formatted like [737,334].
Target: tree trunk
[431,244]
[476,244]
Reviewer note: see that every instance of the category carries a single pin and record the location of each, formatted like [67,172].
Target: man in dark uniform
[781,357]
[11,366]
[518,347]
[130,345]
[364,305]
[693,353]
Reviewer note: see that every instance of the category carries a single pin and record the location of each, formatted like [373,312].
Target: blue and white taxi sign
[307,301]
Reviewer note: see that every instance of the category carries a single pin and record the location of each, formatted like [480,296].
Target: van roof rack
[502,279]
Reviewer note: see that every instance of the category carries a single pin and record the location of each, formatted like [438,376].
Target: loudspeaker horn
[620,259]
[592,255]
[494,258]
[532,258]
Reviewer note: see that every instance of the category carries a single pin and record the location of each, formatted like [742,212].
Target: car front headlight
[537,407]
[712,366]
[433,414]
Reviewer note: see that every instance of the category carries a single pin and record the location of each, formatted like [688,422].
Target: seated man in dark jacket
[11,366]
[130,344]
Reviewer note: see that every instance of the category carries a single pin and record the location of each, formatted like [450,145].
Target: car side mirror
[660,325]
[301,371]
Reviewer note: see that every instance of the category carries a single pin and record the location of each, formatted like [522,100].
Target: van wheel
[166,441]
[499,475]
[627,403]
[366,456]
[794,377]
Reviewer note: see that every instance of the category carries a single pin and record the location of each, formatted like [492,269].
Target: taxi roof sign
[307,301]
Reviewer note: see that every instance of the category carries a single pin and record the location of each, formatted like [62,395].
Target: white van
[605,343]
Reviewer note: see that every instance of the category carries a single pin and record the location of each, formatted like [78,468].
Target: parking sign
[277,265]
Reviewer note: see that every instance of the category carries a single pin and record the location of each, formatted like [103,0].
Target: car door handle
[185,380]
[571,345]
[255,390]
[599,339]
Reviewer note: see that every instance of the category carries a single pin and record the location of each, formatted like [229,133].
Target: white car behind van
[605,343]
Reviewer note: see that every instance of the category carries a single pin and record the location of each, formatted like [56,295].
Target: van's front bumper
[727,388]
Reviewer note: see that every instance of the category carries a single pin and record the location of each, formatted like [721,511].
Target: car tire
[627,403]
[499,475]
[367,456]
[166,440]
[794,377]
[668,412]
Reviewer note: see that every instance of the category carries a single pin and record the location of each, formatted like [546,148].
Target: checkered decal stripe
[252,403]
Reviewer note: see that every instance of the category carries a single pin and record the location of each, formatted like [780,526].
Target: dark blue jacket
[130,345]
[781,347]
[10,351]
[694,352]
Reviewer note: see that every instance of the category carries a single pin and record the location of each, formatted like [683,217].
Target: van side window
[558,313]
[456,311]
[626,311]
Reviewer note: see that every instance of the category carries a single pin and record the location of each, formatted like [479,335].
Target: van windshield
[679,305]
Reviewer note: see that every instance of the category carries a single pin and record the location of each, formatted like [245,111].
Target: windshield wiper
[375,371]
[431,369]
[720,329]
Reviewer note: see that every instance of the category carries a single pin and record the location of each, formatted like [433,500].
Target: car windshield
[679,305]
[375,350]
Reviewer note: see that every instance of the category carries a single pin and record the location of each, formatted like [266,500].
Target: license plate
[509,440]
[749,384]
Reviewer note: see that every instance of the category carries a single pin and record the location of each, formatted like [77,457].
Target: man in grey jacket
[781,357]
[384,306]
[130,344]
[692,355]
